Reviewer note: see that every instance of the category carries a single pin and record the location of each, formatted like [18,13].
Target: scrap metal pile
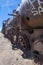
[26,26]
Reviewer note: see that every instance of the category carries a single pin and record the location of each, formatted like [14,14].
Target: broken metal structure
[26,26]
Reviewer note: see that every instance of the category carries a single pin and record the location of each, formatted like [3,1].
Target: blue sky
[6,7]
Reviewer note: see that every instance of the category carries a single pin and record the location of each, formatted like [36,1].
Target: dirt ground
[18,56]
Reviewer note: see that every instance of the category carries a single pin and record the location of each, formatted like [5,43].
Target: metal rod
[38,27]
[12,14]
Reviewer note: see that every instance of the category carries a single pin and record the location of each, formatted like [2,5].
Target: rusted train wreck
[25,28]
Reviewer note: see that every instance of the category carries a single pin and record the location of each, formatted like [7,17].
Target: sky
[6,7]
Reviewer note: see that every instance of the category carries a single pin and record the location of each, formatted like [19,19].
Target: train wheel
[24,41]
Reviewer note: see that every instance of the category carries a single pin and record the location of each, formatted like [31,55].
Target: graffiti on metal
[35,11]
